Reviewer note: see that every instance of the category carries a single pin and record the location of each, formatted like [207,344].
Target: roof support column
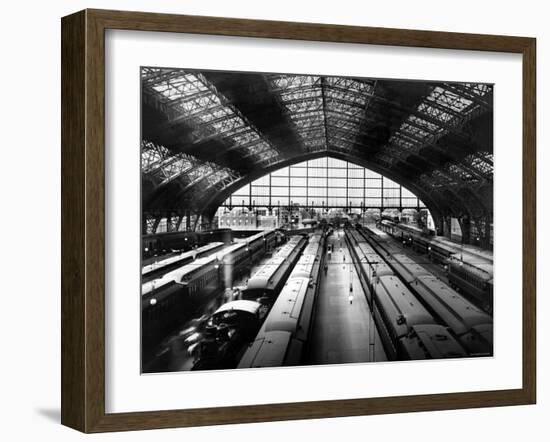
[178,222]
[208,217]
[143,223]
[196,218]
[170,222]
[156,224]
[465,227]
[446,226]
[438,222]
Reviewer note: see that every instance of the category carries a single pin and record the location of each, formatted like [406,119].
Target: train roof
[471,256]
[410,227]
[240,305]
[483,271]
[311,248]
[285,312]
[304,266]
[376,231]
[190,253]
[267,350]
[177,275]
[408,268]
[457,312]
[307,260]
[257,235]
[374,260]
[164,262]
[475,253]
[471,253]
[398,300]
[369,257]
[271,266]
[229,249]
[272,341]
[433,339]
[380,269]
[263,275]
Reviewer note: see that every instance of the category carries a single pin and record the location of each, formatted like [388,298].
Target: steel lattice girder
[162,167]
[332,114]
[193,99]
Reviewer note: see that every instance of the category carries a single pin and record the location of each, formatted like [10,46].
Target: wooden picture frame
[83,217]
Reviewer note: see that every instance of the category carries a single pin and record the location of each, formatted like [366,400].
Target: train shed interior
[264,190]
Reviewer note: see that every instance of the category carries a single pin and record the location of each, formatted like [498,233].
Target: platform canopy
[206,134]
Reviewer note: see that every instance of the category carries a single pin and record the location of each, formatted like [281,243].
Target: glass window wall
[324,183]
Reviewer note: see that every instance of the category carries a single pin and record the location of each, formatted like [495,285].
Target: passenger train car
[417,238]
[390,215]
[269,279]
[476,281]
[168,300]
[261,292]
[156,268]
[163,242]
[469,269]
[406,328]
[283,338]
[471,325]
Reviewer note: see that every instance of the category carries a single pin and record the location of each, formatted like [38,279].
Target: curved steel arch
[398,128]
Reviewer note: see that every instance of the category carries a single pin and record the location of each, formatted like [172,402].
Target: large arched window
[324,183]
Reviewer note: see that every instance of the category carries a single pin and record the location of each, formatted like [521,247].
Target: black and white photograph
[307,219]
[293,221]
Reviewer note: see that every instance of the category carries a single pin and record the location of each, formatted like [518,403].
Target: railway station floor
[343,328]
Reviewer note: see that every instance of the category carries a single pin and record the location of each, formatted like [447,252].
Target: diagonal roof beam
[251,95]
[196,113]
[323,86]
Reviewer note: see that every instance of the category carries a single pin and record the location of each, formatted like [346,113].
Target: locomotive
[232,326]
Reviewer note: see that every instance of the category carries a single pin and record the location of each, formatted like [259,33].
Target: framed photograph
[269,220]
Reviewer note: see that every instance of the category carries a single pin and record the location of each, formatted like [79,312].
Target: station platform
[343,328]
